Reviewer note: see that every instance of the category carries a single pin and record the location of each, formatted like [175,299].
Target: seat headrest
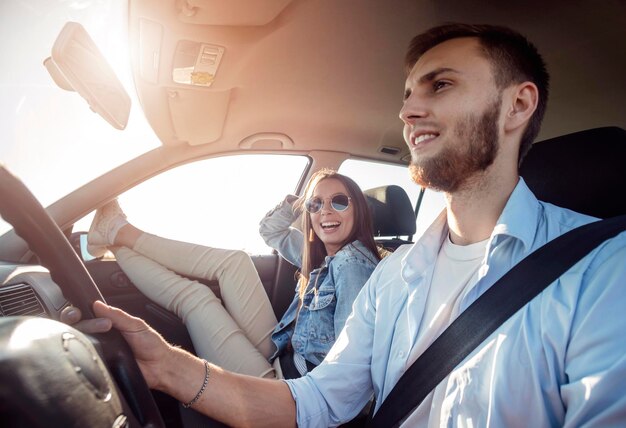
[584,171]
[392,212]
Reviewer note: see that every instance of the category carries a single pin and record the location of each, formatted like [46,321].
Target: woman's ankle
[127,236]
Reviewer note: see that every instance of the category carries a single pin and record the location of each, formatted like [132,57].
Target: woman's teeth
[330,224]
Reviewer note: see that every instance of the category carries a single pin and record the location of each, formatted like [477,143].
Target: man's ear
[523,103]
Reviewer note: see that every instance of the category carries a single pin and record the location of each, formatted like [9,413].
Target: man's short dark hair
[513,58]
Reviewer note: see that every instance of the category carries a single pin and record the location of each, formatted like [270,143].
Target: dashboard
[28,290]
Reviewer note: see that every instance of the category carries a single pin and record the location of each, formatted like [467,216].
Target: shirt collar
[518,220]
[519,217]
[359,247]
[421,256]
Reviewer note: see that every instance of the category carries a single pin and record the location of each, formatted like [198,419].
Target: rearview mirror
[76,64]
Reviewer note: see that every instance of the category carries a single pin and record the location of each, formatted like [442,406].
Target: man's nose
[412,109]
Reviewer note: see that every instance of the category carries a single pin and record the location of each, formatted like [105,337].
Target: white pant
[235,335]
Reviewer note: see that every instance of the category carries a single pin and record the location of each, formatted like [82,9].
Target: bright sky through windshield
[50,137]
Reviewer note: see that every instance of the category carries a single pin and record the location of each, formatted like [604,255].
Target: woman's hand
[291,198]
[296,203]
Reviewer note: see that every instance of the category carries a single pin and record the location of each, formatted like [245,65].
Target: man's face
[451,113]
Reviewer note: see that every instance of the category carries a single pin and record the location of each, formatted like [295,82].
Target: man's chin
[418,175]
[434,180]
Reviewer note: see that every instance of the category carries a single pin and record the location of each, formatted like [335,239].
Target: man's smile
[420,139]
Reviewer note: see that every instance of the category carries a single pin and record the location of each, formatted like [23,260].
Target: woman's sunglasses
[338,202]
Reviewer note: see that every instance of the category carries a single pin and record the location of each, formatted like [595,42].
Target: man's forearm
[234,399]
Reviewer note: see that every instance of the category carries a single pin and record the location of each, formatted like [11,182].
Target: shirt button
[401,354]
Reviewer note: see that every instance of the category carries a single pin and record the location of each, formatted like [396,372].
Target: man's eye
[440,84]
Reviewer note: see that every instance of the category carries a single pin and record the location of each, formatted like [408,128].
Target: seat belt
[496,305]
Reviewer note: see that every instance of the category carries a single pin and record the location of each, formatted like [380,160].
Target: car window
[216,202]
[368,174]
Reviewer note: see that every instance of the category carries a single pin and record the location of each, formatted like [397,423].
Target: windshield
[50,137]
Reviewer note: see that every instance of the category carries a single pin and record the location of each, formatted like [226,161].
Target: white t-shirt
[456,271]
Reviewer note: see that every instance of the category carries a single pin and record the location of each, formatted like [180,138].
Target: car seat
[584,171]
[393,216]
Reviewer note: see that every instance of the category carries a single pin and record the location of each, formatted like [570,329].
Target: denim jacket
[338,280]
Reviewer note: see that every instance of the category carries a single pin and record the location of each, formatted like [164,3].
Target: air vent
[389,150]
[20,300]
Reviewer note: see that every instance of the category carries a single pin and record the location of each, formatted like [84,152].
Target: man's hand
[151,351]
[234,399]
[73,316]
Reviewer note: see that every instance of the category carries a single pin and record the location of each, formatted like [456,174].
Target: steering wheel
[31,222]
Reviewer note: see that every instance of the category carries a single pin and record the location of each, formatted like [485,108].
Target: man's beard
[475,149]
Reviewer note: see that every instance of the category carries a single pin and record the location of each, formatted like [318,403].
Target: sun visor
[231,12]
[198,116]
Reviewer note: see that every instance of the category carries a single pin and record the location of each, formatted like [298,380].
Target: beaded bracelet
[204,384]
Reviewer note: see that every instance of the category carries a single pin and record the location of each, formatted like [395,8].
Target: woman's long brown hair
[314,251]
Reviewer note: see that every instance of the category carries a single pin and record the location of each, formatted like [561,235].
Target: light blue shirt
[559,361]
